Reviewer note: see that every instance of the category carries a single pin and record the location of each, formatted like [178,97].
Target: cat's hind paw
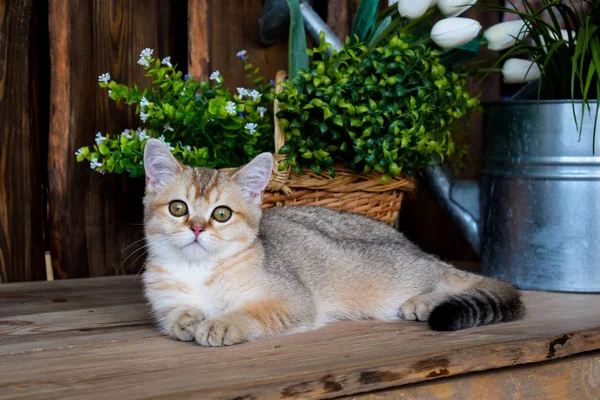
[418,308]
[216,333]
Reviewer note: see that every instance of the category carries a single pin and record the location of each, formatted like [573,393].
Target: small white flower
[145,56]
[144,116]
[242,92]
[99,138]
[167,61]
[94,163]
[109,92]
[127,133]
[104,78]
[251,127]
[168,127]
[182,92]
[166,76]
[255,95]
[102,171]
[215,76]
[241,54]
[231,108]
[141,134]
[262,111]
[162,139]
[78,152]
[188,148]
[211,120]
[144,102]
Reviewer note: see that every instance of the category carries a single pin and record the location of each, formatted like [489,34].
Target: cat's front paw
[216,333]
[185,323]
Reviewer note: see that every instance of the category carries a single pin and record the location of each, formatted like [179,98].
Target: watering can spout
[460,198]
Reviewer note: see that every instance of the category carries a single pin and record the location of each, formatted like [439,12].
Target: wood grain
[576,377]
[21,209]
[93,218]
[198,39]
[66,353]
[238,29]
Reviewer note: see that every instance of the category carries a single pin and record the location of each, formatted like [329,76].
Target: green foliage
[203,124]
[569,60]
[297,57]
[364,19]
[387,110]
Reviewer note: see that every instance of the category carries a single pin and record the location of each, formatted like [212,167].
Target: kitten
[220,272]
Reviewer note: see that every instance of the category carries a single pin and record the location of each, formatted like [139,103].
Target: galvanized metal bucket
[540,196]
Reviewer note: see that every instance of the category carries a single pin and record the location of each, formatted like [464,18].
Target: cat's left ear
[253,177]
[159,163]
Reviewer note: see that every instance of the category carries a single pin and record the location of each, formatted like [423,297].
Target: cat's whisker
[147,247]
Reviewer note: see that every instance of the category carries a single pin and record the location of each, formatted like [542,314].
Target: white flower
[182,92]
[454,31]
[109,92]
[504,35]
[231,108]
[215,76]
[188,148]
[167,127]
[78,153]
[516,70]
[413,9]
[167,61]
[255,95]
[127,133]
[144,102]
[162,139]
[242,92]
[262,111]
[145,56]
[251,127]
[166,76]
[104,78]
[144,116]
[453,8]
[141,134]
[94,163]
[99,138]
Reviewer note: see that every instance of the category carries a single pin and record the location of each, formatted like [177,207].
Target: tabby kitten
[221,272]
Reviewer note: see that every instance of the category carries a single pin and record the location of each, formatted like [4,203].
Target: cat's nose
[197,229]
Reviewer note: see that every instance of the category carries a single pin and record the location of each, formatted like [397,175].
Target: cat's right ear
[159,163]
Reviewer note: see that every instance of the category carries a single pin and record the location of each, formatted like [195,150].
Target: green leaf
[364,19]
[383,25]
[297,57]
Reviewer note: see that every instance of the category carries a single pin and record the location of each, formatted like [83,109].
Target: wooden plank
[21,210]
[238,29]
[76,294]
[93,218]
[576,377]
[340,359]
[198,39]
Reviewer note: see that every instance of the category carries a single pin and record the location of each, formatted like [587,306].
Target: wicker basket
[348,191]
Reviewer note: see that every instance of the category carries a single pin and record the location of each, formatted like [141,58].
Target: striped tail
[489,304]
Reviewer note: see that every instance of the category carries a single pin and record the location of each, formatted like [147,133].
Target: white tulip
[453,8]
[455,31]
[504,35]
[412,9]
[516,70]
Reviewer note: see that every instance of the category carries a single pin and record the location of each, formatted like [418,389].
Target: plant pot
[540,196]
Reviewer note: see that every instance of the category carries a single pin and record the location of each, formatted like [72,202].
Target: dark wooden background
[51,54]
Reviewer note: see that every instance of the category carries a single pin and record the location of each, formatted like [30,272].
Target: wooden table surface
[92,339]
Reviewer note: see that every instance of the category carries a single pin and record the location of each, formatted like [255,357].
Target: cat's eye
[221,214]
[178,208]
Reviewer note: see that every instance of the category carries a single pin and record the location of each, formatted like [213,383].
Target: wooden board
[576,377]
[113,352]
[21,207]
[93,218]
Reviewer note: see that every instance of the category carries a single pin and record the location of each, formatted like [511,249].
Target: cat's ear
[253,177]
[159,163]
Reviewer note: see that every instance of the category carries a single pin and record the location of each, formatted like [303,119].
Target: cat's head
[192,214]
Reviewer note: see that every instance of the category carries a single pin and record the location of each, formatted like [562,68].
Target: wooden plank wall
[92,219]
[21,178]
